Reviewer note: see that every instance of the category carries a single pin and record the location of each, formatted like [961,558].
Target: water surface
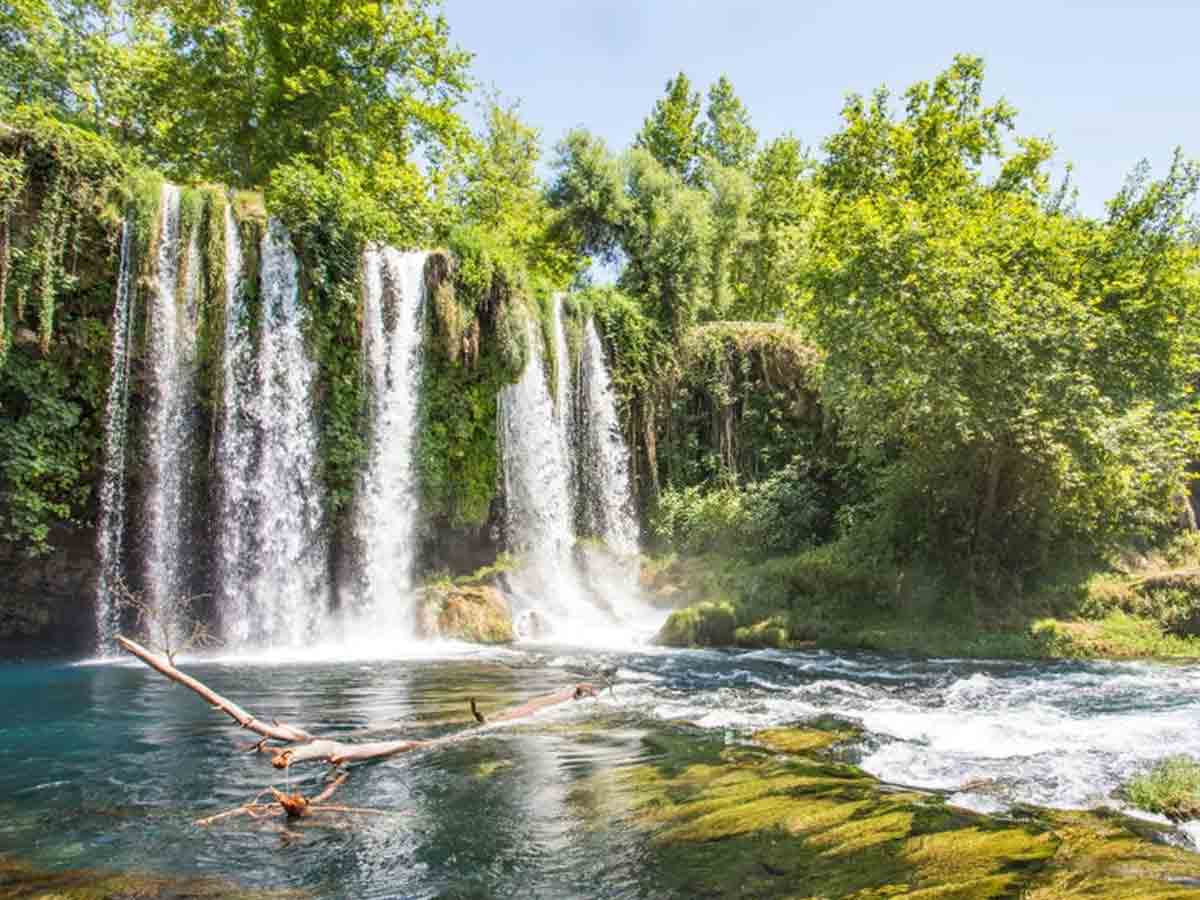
[108,765]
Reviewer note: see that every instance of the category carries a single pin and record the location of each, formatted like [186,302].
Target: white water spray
[272,555]
[388,515]
[110,534]
[171,414]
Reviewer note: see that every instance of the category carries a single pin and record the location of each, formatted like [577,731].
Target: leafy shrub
[789,510]
[707,624]
[1171,788]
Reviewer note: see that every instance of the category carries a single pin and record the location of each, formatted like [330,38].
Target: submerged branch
[309,748]
[275,731]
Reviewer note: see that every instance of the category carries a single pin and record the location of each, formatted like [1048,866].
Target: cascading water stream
[605,493]
[387,515]
[235,447]
[272,557]
[574,593]
[537,478]
[564,407]
[112,486]
[604,484]
[171,418]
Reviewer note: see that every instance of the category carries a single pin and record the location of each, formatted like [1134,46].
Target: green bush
[790,510]
[707,624]
[1171,788]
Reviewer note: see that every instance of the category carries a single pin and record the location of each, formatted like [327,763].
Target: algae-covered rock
[771,633]
[777,821]
[477,613]
[804,740]
[19,881]
[708,624]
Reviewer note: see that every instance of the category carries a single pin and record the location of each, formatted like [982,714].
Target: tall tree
[671,133]
[502,194]
[89,60]
[783,212]
[1018,378]
[727,135]
[255,83]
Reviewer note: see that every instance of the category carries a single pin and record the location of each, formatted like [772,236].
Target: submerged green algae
[20,881]
[778,819]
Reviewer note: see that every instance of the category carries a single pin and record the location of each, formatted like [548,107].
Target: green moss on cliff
[475,344]
[62,194]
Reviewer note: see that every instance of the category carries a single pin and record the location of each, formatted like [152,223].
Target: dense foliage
[908,350]
[1017,377]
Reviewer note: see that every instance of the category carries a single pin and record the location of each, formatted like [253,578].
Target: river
[108,764]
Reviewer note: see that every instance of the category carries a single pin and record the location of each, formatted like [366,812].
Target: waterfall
[235,448]
[112,485]
[537,474]
[171,416]
[551,591]
[562,460]
[564,407]
[604,483]
[272,558]
[387,515]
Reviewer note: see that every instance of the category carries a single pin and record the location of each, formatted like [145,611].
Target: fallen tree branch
[309,748]
[293,806]
[338,753]
[275,731]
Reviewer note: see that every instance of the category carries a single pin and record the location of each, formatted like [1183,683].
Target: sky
[1110,84]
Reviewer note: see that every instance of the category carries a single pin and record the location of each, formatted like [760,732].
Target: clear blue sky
[1109,83]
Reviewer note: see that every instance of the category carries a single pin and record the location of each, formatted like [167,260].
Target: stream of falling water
[578,593]
[388,506]
[272,555]
[112,484]
[172,422]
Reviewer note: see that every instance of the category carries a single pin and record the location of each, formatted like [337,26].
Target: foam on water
[991,733]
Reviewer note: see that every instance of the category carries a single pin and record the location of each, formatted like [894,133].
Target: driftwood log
[301,746]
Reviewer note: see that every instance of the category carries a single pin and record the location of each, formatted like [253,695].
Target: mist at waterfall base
[110,764]
[563,459]
[565,468]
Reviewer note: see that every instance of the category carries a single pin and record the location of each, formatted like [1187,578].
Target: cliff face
[735,397]
[46,602]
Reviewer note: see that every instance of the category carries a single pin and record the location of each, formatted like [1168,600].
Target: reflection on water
[108,765]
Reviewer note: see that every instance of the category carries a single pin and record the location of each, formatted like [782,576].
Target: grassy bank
[1140,607]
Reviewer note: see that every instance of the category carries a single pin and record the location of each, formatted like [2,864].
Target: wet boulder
[708,624]
[476,613]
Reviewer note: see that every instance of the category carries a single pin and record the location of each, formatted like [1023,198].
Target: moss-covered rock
[770,632]
[19,881]
[804,740]
[707,624]
[777,821]
[477,613]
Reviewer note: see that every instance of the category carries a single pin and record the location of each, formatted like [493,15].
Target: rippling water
[109,764]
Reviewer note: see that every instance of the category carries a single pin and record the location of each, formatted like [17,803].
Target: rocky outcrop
[46,602]
[476,613]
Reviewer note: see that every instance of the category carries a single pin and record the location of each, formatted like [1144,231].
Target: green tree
[502,194]
[672,131]
[784,209]
[89,60]
[729,194]
[727,136]
[589,192]
[255,84]
[1018,378]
